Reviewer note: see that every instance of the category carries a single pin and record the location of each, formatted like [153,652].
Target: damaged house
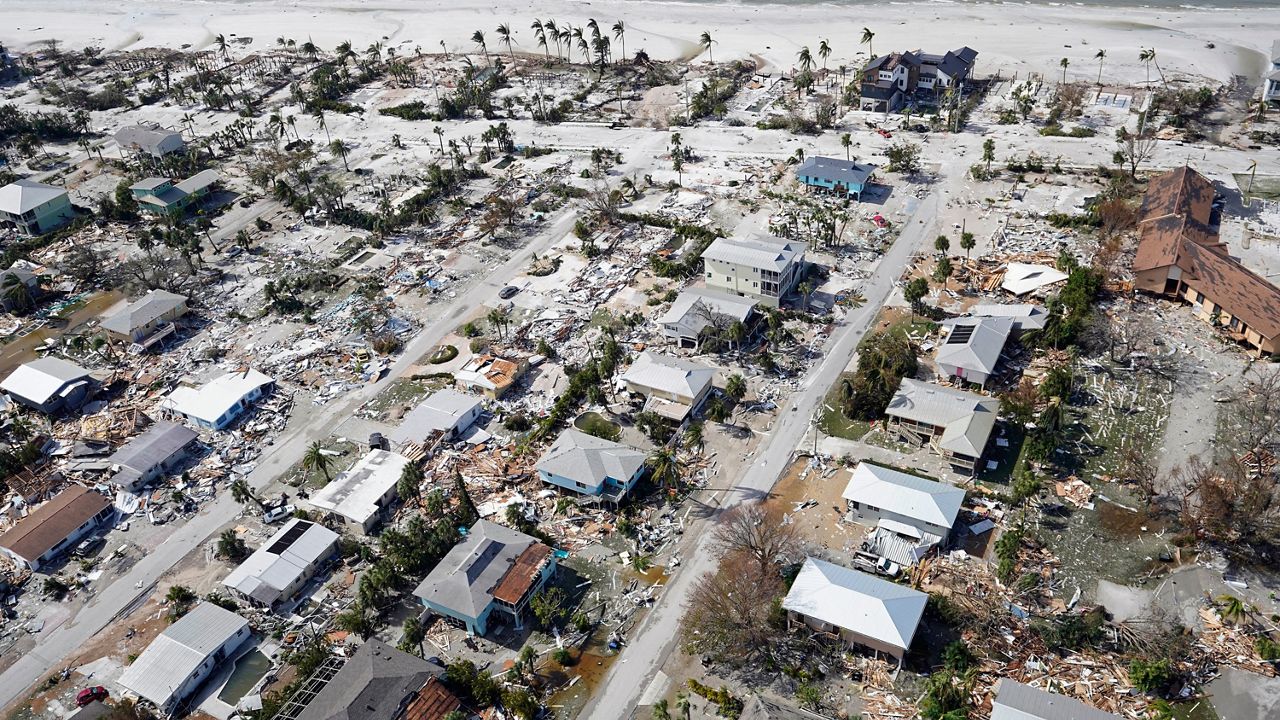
[147,321]
[591,466]
[380,682]
[362,495]
[697,309]
[276,572]
[54,527]
[911,514]
[49,384]
[490,576]
[218,403]
[673,387]
[151,454]
[955,424]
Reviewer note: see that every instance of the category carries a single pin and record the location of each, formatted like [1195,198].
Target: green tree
[242,493]
[988,152]
[683,704]
[180,599]
[914,293]
[409,486]
[1101,57]
[967,243]
[735,386]
[942,272]
[231,546]
[706,42]
[846,141]
[660,711]
[1063,63]
[809,696]
[665,467]
[316,459]
[339,148]
[941,244]
[468,514]
[867,37]
[414,634]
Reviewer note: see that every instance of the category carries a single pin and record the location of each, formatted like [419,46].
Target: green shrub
[1150,676]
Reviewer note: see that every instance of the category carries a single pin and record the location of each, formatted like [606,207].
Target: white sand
[1011,38]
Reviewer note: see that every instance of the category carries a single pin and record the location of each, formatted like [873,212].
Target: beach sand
[1009,37]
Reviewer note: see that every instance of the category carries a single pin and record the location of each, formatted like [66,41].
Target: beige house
[147,320]
[674,388]
[955,424]
[1179,255]
[764,269]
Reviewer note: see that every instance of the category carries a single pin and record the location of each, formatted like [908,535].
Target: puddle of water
[249,669]
[590,668]
[23,349]
[654,575]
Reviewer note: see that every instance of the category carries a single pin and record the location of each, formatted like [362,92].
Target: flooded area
[63,318]
[1114,541]
[249,669]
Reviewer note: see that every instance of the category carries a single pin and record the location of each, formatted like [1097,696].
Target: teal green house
[843,177]
[162,196]
[34,208]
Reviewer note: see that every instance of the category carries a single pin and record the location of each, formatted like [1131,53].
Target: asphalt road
[58,648]
[658,635]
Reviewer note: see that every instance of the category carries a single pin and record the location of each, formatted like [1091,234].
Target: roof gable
[856,601]
[589,460]
[24,195]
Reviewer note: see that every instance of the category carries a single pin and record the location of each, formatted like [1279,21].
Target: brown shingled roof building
[1179,255]
[55,526]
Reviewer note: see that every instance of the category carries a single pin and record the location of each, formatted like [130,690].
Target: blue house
[591,466]
[488,577]
[218,403]
[835,175]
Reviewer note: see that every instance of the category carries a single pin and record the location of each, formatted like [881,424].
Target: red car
[91,694]
[883,133]
[880,221]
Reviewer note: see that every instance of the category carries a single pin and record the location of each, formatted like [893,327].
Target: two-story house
[890,80]
[162,196]
[34,208]
[147,320]
[591,466]
[764,269]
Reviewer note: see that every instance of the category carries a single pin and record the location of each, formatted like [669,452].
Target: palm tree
[1100,56]
[1233,608]
[1063,63]
[242,493]
[806,289]
[664,466]
[805,58]
[410,483]
[339,148]
[824,52]
[967,242]
[221,43]
[411,641]
[477,37]
[439,131]
[867,37]
[683,704]
[846,141]
[316,459]
[660,711]
[620,34]
[504,34]
[706,42]
[1148,57]
[541,35]
[735,386]
[553,31]
[15,292]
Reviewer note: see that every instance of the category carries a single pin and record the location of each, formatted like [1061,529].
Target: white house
[861,609]
[217,403]
[908,515]
[182,657]
[275,572]
[362,494]
[446,411]
[696,309]
[49,384]
[149,140]
[675,387]
[972,348]
[764,269]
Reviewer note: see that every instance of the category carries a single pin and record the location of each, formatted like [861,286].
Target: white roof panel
[173,656]
[856,601]
[40,379]
[213,399]
[669,374]
[23,195]
[355,494]
[904,494]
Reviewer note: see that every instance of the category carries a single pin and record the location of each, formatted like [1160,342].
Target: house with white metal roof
[954,423]
[49,384]
[493,570]
[34,208]
[764,269]
[874,492]
[675,388]
[149,140]
[446,411]
[1271,78]
[591,466]
[1016,701]
[276,572]
[972,348]
[1025,316]
[361,495]
[151,454]
[828,174]
[147,320]
[699,308]
[182,657]
[217,403]
[861,609]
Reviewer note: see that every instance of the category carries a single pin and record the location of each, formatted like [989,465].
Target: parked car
[508,292]
[883,133]
[89,546]
[91,694]
[879,221]
[276,514]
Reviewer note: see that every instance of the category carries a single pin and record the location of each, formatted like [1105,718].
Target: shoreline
[1012,37]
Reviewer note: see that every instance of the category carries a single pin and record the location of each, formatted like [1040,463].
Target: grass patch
[299,476]
[593,423]
[443,354]
[1008,459]
[833,422]
[402,392]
